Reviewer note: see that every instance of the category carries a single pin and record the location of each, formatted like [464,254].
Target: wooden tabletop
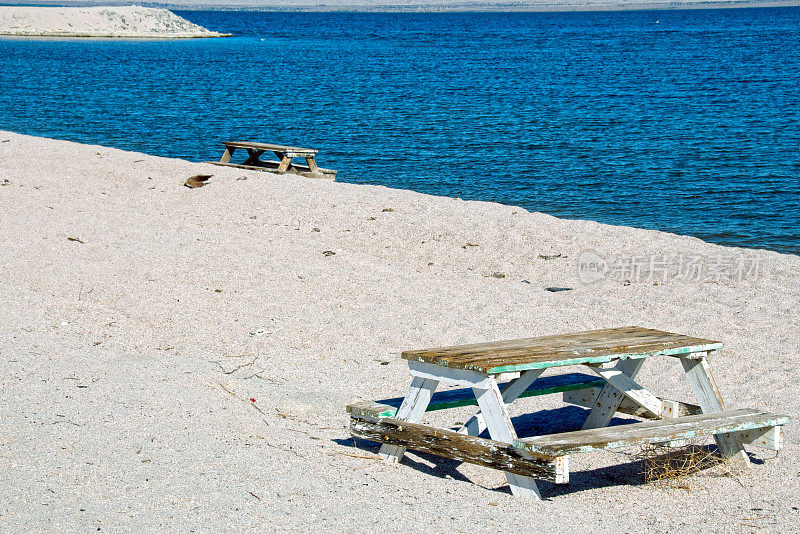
[594,346]
[265,146]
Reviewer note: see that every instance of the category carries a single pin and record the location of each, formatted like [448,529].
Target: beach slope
[176,359]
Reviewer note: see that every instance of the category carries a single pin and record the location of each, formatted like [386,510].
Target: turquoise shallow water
[685,121]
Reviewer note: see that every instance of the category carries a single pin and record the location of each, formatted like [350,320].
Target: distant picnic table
[614,356]
[284,164]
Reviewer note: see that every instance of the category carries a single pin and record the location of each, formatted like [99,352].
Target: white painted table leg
[627,386]
[500,429]
[607,402]
[474,426]
[477,424]
[414,405]
[710,400]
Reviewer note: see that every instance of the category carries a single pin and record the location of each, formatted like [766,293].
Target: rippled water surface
[685,121]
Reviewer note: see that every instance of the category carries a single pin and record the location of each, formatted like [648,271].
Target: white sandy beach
[121,21]
[138,318]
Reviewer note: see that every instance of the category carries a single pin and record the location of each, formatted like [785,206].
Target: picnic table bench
[614,356]
[285,155]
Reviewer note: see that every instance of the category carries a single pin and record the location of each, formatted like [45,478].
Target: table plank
[594,346]
[268,146]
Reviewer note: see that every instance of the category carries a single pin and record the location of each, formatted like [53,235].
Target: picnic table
[614,356]
[284,164]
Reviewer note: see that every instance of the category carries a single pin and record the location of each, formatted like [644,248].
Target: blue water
[685,121]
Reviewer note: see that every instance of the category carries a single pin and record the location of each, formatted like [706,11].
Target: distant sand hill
[128,21]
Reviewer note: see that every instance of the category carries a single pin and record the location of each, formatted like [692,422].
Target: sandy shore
[138,318]
[124,21]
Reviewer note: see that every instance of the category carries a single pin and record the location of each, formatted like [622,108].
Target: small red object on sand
[252,399]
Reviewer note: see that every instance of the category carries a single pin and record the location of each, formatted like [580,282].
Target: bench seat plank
[689,427]
[272,166]
[461,447]
[595,346]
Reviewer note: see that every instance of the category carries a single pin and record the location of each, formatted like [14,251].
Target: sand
[123,21]
[138,318]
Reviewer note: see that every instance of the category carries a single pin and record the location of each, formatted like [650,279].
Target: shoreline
[184,356]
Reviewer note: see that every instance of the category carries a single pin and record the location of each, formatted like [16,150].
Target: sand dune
[177,359]
[125,21]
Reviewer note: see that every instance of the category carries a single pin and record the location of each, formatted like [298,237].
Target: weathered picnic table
[615,357]
[285,155]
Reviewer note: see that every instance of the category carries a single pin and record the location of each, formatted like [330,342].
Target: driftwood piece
[198,180]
